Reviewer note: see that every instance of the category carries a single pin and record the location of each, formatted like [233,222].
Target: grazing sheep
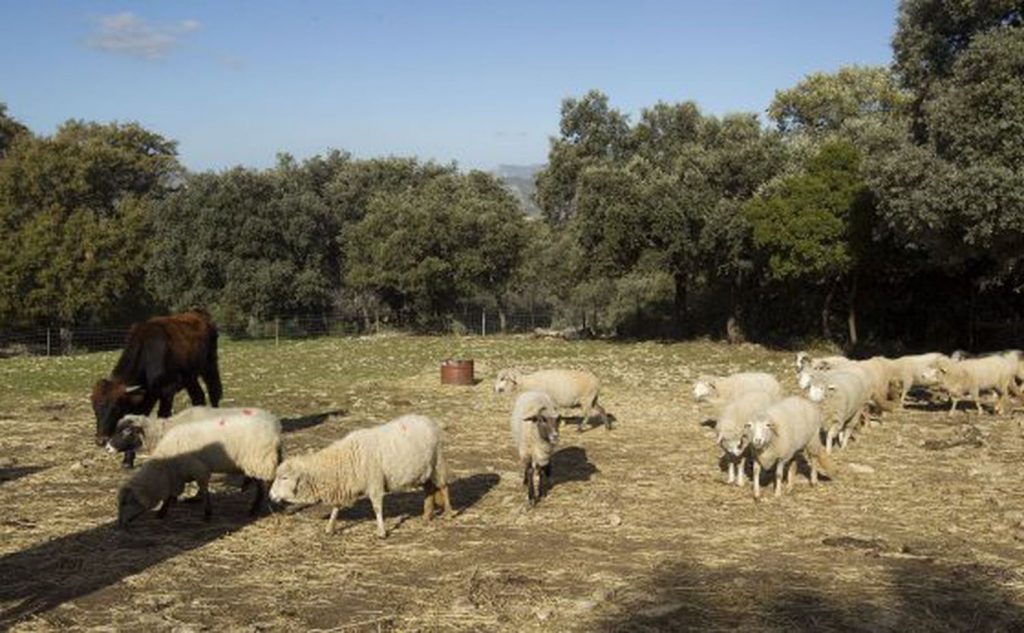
[404,452]
[722,390]
[729,426]
[247,442]
[534,426]
[970,376]
[162,480]
[135,432]
[911,371]
[844,395]
[778,433]
[567,388]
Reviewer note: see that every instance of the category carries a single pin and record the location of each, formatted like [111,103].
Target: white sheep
[730,424]
[844,395]
[404,452]
[162,480]
[244,441]
[567,388]
[912,370]
[135,432]
[781,431]
[807,367]
[534,426]
[970,376]
[720,390]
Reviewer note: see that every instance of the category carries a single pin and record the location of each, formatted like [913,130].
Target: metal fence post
[47,341]
[277,331]
[483,322]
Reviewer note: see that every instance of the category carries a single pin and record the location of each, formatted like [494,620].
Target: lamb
[722,390]
[729,426]
[970,376]
[404,452]
[567,388]
[534,426]
[778,433]
[162,480]
[242,441]
[844,395]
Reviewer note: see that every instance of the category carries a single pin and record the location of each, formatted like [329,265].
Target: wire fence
[64,341]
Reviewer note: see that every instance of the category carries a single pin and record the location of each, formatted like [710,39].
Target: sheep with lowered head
[781,431]
[230,441]
[144,432]
[719,390]
[162,480]
[968,377]
[730,424]
[404,452]
[567,388]
[534,426]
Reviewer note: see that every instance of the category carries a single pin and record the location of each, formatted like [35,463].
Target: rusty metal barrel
[457,371]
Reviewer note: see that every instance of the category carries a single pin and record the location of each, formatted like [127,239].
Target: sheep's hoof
[382,535]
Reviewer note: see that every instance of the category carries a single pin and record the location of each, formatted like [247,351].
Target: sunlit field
[921,527]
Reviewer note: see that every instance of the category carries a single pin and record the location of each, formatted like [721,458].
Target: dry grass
[638,533]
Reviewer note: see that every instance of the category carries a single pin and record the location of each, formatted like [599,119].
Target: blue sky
[478,82]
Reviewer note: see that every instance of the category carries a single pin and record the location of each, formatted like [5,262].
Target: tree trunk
[679,304]
[502,320]
[826,313]
[851,314]
[733,325]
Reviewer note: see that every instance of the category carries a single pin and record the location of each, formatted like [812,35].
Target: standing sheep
[246,442]
[970,376]
[730,425]
[404,452]
[722,390]
[912,371]
[567,388]
[135,432]
[844,395]
[779,433]
[534,426]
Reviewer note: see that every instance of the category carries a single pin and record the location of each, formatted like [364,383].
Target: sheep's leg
[779,472]
[977,400]
[168,502]
[791,475]
[542,479]
[377,500]
[204,490]
[334,517]
[446,500]
[129,459]
[741,477]
[757,479]
[428,500]
[814,472]
[829,436]
[954,401]
[257,501]
[732,472]
[531,495]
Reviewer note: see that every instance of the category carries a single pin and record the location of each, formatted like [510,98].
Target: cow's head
[111,401]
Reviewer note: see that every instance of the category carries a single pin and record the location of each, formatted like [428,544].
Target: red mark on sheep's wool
[247,411]
[220,422]
[402,426]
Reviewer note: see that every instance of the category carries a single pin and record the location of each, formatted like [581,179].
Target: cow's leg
[166,402]
[212,379]
[195,392]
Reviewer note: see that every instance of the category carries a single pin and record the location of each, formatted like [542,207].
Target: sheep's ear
[773,425]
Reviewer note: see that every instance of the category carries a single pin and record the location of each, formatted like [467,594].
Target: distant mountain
[520,181]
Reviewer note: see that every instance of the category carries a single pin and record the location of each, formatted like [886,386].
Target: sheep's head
[805,378]
[546,421]
[734,445]
[128,436]
[506,382]
[703,388]
[288,485]
[802,359]
[760,431]
[817,392]
[129,507]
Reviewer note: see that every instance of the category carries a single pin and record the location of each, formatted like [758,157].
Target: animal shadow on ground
[464,494]
[571,464]
[44,576]
[608,421]
[17,472]
[914,595]
[803,470]
[291,425]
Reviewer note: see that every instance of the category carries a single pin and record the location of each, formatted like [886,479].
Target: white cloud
[128,34]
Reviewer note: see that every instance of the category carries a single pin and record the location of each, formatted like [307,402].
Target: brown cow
[161,357]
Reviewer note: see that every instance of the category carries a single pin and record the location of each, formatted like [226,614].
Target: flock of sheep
[405,452]
[754,422]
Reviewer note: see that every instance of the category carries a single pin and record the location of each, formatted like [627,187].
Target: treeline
[881,204]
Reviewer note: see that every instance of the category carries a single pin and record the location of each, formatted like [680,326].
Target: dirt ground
[921,529]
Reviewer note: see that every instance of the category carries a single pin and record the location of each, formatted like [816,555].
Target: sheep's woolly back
[728,388]
[246,441]
[733,417]
[531,445]
[987,372]
[567,387]
[846,393]
[797,422]
[404,452]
